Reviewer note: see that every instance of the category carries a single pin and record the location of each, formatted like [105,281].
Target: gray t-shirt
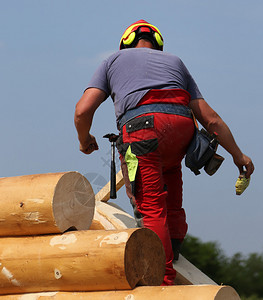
[127,75]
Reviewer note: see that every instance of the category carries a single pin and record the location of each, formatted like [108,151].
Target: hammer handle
[113,193]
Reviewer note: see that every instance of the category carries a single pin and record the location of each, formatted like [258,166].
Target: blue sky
[50,49]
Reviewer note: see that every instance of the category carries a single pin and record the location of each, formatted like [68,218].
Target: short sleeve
[192,87]
[99,79]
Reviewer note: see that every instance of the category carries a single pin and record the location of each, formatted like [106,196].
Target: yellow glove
[241,184]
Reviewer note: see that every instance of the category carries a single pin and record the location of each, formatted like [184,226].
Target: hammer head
[111,136]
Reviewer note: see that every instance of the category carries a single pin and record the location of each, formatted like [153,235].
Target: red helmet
[141,30]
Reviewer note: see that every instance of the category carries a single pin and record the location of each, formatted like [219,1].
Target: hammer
[112,138]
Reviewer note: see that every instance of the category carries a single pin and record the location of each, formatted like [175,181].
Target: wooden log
[81,261]
[194,292]
[45,203]
[109,216]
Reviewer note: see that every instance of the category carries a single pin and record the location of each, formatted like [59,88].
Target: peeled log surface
[45,203]
[109,216]
[81,261]
[194,292]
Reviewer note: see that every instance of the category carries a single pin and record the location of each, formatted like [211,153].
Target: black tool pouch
[202,153]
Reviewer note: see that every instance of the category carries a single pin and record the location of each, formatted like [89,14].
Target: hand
[244,162]
[89,145]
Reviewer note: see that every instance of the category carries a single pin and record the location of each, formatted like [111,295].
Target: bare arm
[212,122]
[85,109]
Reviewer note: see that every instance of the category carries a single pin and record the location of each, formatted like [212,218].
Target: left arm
[213,123]
[85,109]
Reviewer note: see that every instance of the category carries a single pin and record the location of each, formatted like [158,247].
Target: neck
[144,44]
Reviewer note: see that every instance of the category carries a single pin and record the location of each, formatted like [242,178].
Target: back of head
[141,30]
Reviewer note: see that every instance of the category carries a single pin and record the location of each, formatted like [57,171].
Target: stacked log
[111,260]
[81,261]
[193,292]
[45,203]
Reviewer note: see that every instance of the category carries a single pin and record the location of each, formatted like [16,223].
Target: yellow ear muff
[158,39]
[129,39]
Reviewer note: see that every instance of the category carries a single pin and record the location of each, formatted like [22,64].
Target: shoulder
[172,57]
[107,62]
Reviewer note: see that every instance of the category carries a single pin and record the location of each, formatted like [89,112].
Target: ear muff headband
[129,35]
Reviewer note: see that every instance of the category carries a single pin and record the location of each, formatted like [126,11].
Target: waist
[167,108]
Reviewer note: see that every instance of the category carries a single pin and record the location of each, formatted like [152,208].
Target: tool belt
[167,108]
[202,150]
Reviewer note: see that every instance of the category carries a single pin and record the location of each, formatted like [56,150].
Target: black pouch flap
[144,147]
[143,122]
[213,165]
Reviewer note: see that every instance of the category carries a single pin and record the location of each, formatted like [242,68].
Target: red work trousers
[158,184]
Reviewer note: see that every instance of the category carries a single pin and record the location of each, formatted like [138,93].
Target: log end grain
[227,292]
[144,259]
[73,202]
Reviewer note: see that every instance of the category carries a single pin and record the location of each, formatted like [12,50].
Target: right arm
[85,109]
[212,122]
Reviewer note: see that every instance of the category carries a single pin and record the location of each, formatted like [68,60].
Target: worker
[153,93]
